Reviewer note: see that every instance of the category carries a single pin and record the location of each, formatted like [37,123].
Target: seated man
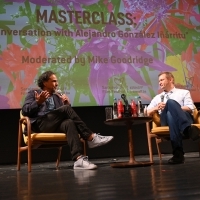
[175,108]
[51,112]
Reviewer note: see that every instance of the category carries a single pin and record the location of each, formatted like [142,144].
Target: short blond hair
[169,75]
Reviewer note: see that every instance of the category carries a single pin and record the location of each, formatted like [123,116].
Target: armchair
[161,133]
[39,140]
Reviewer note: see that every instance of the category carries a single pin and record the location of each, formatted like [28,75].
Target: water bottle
[145,110]
[133,109]
[120,108]
[115,109]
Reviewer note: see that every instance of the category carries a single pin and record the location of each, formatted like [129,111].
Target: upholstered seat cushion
[46,137]
[163,130]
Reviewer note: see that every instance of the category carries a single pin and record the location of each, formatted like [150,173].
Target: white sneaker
[99,140]
[83,163]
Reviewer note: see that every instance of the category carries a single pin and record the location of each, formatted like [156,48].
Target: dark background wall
[94,117]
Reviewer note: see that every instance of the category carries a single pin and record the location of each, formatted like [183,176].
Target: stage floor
[159,181]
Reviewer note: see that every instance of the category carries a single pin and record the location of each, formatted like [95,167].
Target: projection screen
[98,49]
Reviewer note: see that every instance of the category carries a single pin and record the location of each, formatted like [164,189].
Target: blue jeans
[177,120]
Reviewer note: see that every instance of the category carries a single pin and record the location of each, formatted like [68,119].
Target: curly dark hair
[43,78]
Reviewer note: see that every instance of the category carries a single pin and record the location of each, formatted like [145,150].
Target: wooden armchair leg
[58,158]
[18,159]
[150,149]
[158,140]
[149,142]
[29,157]
[19,147]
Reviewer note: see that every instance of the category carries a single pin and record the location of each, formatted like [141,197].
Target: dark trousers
[177,120]
[64,120]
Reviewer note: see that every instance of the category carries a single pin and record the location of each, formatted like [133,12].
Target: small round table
[128,122]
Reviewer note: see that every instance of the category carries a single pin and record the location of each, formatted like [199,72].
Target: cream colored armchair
[39,140]
[161,133]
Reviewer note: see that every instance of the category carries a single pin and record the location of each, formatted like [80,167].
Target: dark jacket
[32,110]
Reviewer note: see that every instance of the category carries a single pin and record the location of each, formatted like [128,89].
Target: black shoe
[177,158]
[194,132]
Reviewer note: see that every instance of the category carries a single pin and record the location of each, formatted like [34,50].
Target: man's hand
[40,98]
[161,105]
[65,99]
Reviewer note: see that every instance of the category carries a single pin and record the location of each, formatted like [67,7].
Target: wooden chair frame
[161,134]
[35,144]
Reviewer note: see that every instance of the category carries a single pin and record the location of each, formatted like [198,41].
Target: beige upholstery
[45,137]
[39,140]
[161,133]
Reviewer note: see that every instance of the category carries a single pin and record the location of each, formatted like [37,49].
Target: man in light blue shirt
[175,107]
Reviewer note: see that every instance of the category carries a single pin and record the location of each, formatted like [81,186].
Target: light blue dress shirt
[182,96]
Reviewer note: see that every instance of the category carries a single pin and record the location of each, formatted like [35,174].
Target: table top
[124,120]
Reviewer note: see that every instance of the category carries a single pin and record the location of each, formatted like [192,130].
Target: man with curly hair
[50,111]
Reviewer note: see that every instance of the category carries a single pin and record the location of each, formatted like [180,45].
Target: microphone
[162,98]
[127,110]
[59,92]
[123,96]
